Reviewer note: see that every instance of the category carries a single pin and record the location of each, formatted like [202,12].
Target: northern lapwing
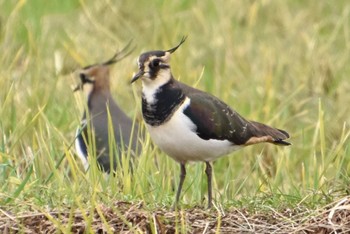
[189,124]
[109,125]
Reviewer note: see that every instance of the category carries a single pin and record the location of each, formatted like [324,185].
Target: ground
[131,217]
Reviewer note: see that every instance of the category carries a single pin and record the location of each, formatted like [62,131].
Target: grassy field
[284,63]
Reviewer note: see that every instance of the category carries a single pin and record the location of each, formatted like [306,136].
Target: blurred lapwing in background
[110,127]
[192,125]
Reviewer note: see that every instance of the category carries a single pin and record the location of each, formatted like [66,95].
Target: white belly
[178,139]
[80,153]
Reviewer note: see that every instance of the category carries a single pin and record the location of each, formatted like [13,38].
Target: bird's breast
[158,108]
[177,137]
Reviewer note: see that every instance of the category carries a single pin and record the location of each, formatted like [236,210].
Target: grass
[284,63]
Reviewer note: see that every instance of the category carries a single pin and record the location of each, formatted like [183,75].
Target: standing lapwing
[189,124]
[109,124]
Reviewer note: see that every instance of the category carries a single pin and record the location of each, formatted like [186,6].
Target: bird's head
[96,76]
[154,66]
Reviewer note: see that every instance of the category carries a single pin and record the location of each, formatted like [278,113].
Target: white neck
[150,87]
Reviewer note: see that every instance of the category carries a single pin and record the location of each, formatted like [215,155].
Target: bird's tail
[264,133]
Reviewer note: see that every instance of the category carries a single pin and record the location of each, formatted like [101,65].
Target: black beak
[137,76]
[77,88]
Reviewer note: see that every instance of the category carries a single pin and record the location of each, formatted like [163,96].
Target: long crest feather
[172,50]
[120,54]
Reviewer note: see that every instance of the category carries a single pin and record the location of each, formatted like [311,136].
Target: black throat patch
[167,99]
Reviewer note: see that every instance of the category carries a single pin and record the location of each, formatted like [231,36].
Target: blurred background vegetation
[285,63]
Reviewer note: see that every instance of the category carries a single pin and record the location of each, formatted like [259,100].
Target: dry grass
[127,217]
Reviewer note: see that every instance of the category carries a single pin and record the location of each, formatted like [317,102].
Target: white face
[151,65]
[156,69]
[150,86]
[163,76]
[86,83]
[155,73]
[152,62]
[87,89]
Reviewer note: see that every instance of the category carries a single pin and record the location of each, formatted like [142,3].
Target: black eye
[154,63]
[84,79]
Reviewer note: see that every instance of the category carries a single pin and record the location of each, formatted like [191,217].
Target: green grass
[284,63]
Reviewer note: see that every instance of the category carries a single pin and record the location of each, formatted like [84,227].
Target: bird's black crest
[120,55]
[159,53]
[172,50]
[116,57]
[144,57]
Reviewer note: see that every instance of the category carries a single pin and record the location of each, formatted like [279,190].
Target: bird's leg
[182,179]
[208,171]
